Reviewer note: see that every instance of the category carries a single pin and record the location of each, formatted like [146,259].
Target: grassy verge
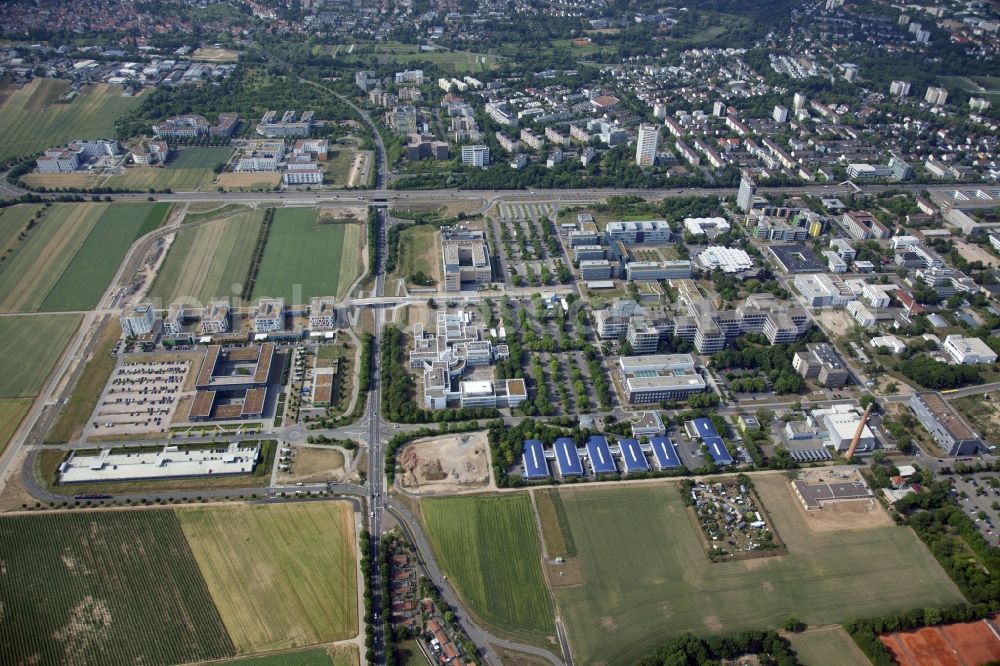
[87,392]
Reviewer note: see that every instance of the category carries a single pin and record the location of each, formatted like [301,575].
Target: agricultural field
[246,182]
[13,221]
[188,169]
[303,586]
[827,645]
[69,257]
[31,119]
[12,411]
[342,655]
[110,588]
[30,346]
[81,181]
[645,575]
[205,261]
[488,545]
[305,258]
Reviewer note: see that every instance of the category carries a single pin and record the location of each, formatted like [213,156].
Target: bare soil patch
[847,515]
[445,464]
[311,465]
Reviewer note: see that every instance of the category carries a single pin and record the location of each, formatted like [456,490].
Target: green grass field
[30,346]
[827,645]
[12,411]
[489,547]
[282,575]
[419,251]
[303,259]
[204,262]
[104,588]
[69,257]
[89,273]
[190,169]
[646,576]
[343,655]
[338,166]
[31,121]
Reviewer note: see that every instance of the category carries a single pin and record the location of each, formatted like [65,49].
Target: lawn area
[282,575]
[30,346]
[87,392]
[646,576]
[189,169]
[31,120]
[338,166]
[204,262]
[827,645]
[419,250]
[70,256]
[488,545]
[303,258]
[110,588]
[462,62]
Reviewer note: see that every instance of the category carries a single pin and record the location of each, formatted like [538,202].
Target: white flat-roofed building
[476,155]
[646,231]
[215,320]
[492,393]
[838,424]
[659,377]
[823,291]
[322,313]
[303,177]
[186,126]
[835,263]
[596,269]
[890,342]
[645,150]
[465,258]
[727,259]
[861,314]
[138,320]
[706,226]
[658,270]
[269,315]
[173,323]
[875,295]
[169,462]
[968,351]
[58,160]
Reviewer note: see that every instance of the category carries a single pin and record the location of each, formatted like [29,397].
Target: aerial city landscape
[531,332]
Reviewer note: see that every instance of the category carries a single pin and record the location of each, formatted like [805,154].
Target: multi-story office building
[138,320]
[820,361]
[746,193]
[862,225]
[322,313]
[465,258]
[650,232]
[659,378]
[968,351]
[658,270]
[190,126]
[269,315]
[477,155]
[215,319]
[948,429]
[643,336]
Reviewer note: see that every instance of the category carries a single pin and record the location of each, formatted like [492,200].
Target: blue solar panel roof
[535,466]
[632,456]
[717,449]
[600,455]
[705,428]
[666,455]
[568,457]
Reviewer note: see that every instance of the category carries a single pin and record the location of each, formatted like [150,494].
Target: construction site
[445,464]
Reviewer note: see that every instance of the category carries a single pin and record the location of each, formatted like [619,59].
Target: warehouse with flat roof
[567,457]
[948,429]
[600,455]
[632,456]
[533,457]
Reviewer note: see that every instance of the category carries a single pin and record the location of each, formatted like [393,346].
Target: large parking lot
[140,397]
[979,496]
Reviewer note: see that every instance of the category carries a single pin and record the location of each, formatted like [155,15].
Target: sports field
[488,545]
[205,261]
[646,576]
[68,259]
[282,575]
[31,119]
[104,588]
[188,169]
[827,645]
[303,258]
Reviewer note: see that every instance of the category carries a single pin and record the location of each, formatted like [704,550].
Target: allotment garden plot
[646,576]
